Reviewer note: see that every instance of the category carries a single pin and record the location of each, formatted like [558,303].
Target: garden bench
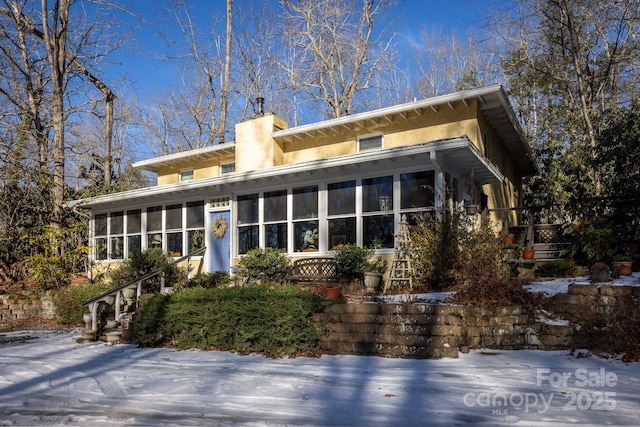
[313,270]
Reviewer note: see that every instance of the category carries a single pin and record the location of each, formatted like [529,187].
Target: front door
[220,241]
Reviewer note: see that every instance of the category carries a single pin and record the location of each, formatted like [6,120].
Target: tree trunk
[227,71]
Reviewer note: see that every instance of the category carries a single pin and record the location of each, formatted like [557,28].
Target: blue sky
[139,60]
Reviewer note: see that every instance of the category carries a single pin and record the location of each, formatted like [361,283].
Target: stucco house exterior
[309,188]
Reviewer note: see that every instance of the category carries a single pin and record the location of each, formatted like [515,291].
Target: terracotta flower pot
[623,268]
[528,254]
[332,291]
[507,239]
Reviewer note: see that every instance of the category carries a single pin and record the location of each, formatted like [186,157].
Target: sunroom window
[275,219]
[173,226]
[134,228]
[154,227]
[116,235]
[195,225]
[305,219]
[100,240]
[377,211]
[248,227]
[341,202]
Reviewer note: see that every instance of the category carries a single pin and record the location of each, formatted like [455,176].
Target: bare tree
[340,51]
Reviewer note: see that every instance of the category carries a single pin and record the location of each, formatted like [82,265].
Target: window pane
[154,240]
[276,235]
[195,214]
[134,243]
[342,198]
[248,238]
[174,244]
[117,247]
[195,239]
[378,231]
[186,175]
[248,209]
[101,247]
[134,221]
[305,202]
[417,189]
[100,225]
[306,236]
[370,143]
[342,231]
[377,194]
[154,218]
[116,222]
[174,217]
[227,167]
[275,205]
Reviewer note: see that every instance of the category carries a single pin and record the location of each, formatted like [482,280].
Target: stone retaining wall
[414,330]
[600,298]
[19,306]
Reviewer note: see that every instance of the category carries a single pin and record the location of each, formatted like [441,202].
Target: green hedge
[268,319]
[67,301]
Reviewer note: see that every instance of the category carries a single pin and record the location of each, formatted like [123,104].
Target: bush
[67,301]
[351,262]
[453,251]
[149,328]
[272,320]
[557,268]
[264,265]
[209,280]
[141,263]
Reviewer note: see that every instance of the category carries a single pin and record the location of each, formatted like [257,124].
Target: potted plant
[507,239]
[622,264]
[374,269]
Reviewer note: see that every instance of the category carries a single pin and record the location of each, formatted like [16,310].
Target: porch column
[439,185]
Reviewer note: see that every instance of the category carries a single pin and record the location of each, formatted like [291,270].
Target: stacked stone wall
[26,306]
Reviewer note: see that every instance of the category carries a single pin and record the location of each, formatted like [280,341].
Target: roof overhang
[152,165]
[458,155]
[493,102]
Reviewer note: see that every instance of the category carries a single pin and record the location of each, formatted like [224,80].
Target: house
[309,188]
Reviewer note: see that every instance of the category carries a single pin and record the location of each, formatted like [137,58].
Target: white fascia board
[152,164]
[437,100]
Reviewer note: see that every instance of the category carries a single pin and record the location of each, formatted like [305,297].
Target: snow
[53,380]
[48,378]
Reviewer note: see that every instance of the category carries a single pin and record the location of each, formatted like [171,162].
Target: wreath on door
[219,228]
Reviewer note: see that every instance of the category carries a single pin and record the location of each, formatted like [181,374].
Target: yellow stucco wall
[427,125]
[206,168]
[255,148]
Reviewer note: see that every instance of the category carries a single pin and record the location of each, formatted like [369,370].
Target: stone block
[610,291]
[445,330]
[578,289]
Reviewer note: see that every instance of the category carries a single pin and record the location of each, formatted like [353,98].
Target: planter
[87,318]
[507,239]
[528,254]
[372,281]
[129,293]
[332,291]
[623,268]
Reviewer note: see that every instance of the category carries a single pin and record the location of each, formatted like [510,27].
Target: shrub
[557,268]
[149,329]
[57,252]
[209,280]
[351,262]
[453,250]
[141,263]
[67,301]
[264,265]
[266,319]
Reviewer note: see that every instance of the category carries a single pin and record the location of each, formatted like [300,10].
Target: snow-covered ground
[50,379]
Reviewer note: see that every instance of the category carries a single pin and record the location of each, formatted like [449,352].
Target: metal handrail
[139,279]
